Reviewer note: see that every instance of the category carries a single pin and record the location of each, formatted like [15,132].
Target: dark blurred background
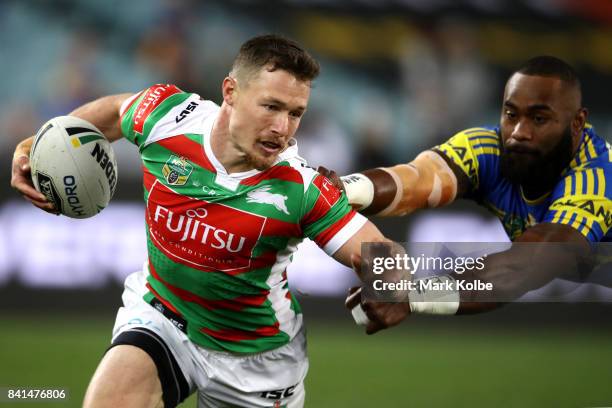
[398,76]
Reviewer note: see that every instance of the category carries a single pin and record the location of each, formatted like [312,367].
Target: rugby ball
[74,166]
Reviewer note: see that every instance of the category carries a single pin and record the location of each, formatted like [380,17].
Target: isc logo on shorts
[201,234]
[279,394]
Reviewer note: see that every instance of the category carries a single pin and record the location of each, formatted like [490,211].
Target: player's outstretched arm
[428,181]
[103,113]
[542,253]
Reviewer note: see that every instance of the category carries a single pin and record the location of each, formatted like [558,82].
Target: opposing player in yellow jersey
[543,171]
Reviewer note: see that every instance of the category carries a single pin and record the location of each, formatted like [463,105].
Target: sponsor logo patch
[177,170]
[201,234]
[190,108]
[279,394]
[153,97]
[329,192]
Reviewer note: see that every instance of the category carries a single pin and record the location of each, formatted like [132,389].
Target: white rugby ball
[74,166]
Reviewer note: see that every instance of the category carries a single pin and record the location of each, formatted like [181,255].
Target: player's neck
[220,142]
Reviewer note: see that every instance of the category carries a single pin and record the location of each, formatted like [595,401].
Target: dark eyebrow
[530,108]
[282,104]
[539,107]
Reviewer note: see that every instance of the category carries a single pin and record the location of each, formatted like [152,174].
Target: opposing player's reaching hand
[21,179]
[380,315]
[332,176]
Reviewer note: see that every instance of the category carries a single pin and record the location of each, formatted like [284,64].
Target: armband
[359,190]
[359,315]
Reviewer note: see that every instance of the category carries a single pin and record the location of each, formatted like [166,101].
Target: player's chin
[262,162]
[518,170]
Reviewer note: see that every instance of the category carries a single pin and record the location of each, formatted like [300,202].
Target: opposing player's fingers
[374,327]
[375,323]
[323,170]
[353,298]
[332,176]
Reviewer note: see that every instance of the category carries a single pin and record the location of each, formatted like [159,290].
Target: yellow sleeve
[474,150]
[582,201]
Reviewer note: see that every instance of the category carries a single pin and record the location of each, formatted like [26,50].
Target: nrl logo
[262,195]
[177,170]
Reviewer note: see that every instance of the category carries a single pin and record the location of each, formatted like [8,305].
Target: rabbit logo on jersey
[263,195]
[201,234]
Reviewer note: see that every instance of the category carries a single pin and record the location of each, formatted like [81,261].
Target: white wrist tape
[360,316]
[436,301]
[359,190]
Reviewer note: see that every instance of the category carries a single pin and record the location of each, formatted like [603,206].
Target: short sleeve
[148,107]
[582,201]
[476,152]
[328,218]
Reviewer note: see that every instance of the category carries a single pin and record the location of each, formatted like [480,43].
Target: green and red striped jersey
[218,243]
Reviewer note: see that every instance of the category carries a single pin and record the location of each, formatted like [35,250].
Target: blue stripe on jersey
[550,216]
[595,182]
[572,219]
[573,192]
[588,141]
[590,236]
[487,136]
[504,199]
[582,224]
[597,232]
[482,145]
[482,130]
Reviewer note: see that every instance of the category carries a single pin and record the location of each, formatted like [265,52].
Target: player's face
[266,113]
[538,128]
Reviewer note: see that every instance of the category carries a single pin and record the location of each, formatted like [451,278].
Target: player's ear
[579,121]
[229,89]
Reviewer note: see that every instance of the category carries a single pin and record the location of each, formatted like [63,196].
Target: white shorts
[273,378]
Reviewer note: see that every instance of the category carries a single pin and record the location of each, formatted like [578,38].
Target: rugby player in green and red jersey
[227,201]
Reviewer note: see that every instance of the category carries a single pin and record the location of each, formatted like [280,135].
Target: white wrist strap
[359,190]
[360,316]
[425,301]
[435,301]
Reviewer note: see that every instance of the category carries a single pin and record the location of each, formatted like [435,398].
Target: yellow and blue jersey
[582,198]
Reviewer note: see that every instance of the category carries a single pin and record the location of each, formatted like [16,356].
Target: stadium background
[397,77]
